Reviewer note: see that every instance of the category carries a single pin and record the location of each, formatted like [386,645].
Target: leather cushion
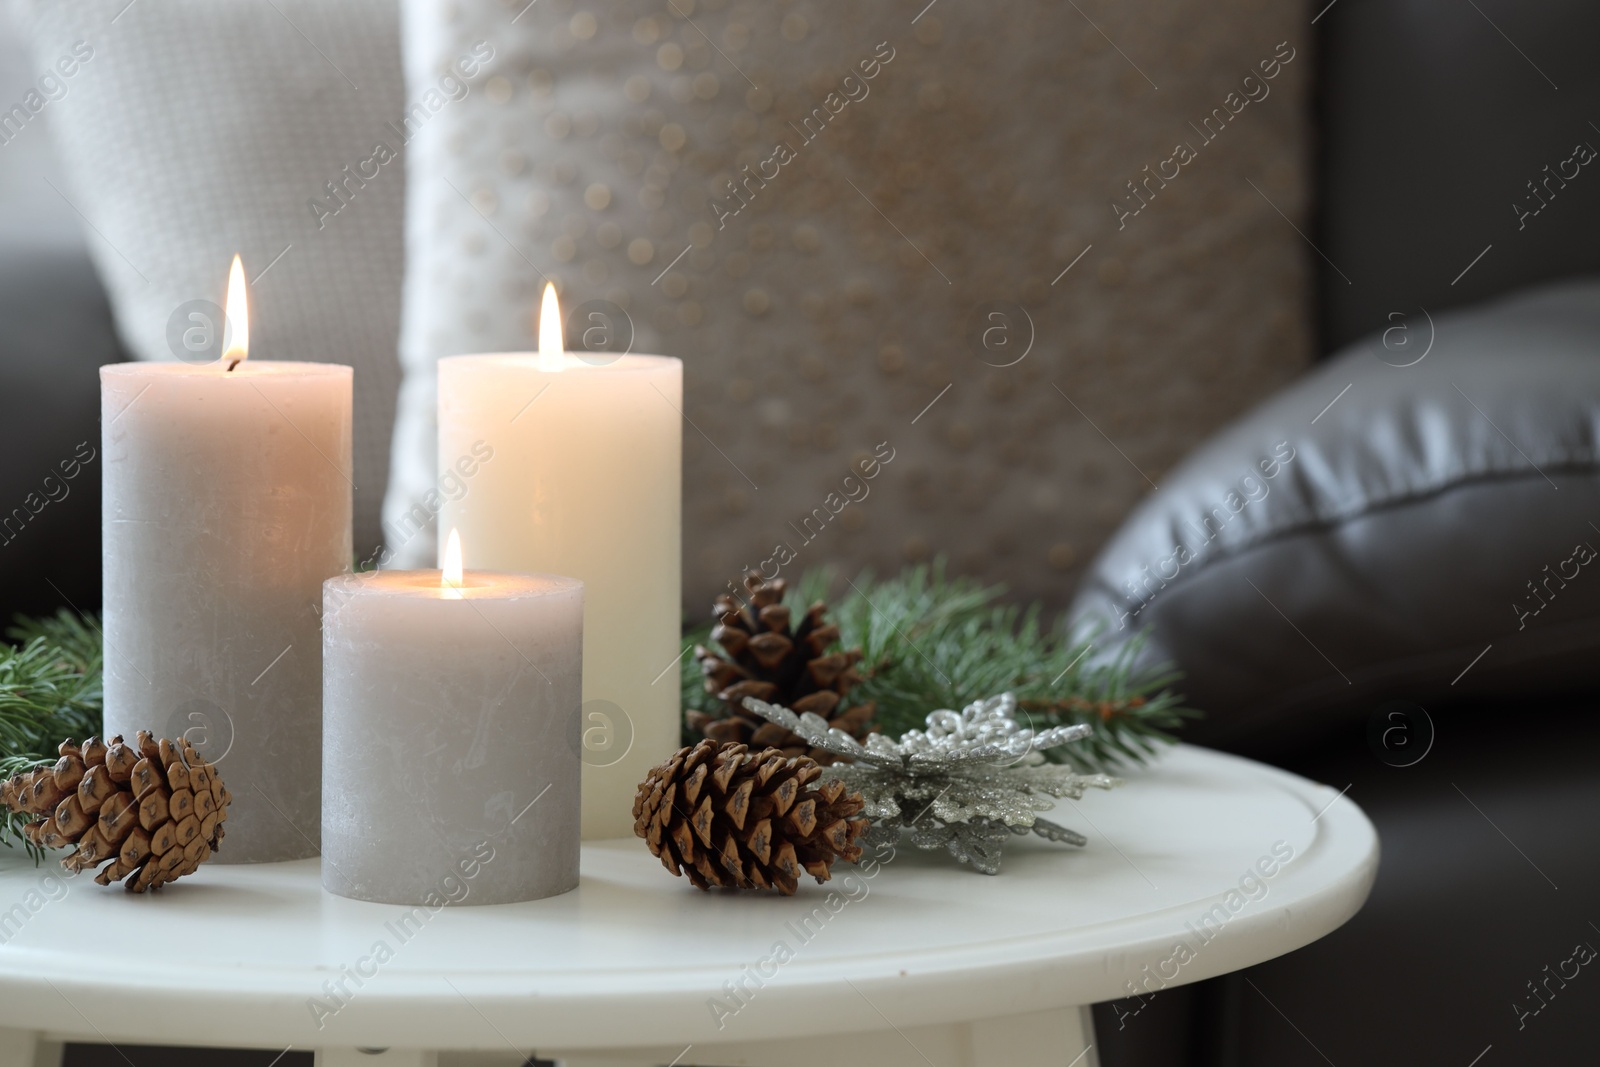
[1336,555]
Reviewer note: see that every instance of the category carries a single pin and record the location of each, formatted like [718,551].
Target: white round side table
[1202,864]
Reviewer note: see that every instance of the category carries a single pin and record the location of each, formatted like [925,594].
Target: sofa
[1472,776]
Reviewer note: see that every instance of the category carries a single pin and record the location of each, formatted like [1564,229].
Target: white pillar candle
[226,504]
[450,737]
[586,481]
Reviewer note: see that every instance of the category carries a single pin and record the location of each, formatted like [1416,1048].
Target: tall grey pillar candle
[451,755]
[227,500]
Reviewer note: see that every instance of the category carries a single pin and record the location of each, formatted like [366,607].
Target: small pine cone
[725,816]
[155,809]
[764,656]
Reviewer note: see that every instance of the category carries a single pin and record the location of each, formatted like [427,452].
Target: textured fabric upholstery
[194,130]
[831,299]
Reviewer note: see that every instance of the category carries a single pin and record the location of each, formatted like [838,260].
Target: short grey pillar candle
[451,737]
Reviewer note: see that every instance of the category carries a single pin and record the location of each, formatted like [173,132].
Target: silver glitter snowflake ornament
[966,784]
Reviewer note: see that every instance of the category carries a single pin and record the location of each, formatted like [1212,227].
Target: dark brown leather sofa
[1443,130]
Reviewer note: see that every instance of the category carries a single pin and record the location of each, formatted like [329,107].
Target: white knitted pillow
[817,207]
[194,129]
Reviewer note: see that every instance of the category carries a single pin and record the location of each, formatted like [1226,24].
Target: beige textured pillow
[196,129]
[905,172]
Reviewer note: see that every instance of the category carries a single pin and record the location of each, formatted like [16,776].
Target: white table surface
[234,955]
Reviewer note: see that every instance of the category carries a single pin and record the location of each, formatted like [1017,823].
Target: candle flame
[450,578]
[551,344]
[238,317]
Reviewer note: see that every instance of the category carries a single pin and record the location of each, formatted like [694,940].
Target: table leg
[26,1048]
[1058,1038]
[1037,1039]
[390,1057]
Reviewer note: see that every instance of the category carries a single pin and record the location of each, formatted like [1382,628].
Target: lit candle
[226,504]
[450,735]
[587,481]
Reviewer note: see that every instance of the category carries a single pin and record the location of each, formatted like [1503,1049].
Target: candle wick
[235,363]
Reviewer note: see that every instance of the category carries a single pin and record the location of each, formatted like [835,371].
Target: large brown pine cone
[725,816]
[154,808]
[764,657]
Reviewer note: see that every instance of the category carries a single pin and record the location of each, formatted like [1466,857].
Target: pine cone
[160,808]
[764,658]
[726,816]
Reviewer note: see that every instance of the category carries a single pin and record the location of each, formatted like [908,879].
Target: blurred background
[58,330]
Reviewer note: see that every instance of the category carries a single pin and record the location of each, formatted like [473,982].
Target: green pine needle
[49,691]
[931,641]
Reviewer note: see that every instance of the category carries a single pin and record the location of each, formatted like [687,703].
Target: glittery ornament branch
[966,784]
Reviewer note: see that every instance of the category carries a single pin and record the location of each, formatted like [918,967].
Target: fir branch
[50,689]
[931,641]
[77,637]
